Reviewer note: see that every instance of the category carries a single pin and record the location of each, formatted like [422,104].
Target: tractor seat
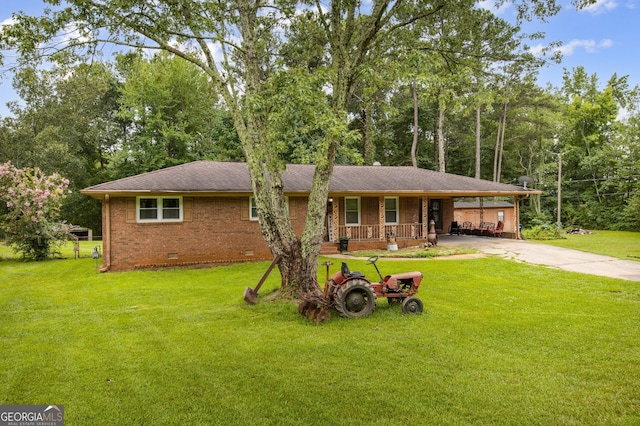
[348,274]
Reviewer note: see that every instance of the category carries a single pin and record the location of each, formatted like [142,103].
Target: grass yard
[500,342]
[620,244]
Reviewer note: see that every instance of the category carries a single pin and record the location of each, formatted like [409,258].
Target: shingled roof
[210,177]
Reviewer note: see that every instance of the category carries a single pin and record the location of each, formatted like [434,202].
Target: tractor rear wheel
[355,299]
[412,305]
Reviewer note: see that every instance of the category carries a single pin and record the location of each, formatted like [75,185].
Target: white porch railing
[403,231]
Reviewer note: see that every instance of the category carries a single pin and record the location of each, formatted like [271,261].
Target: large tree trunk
[414,145]
[441,160]
[349,44]
[504,128]
[368,147]
[266,170]
[299,255]
[499,149]
[478,143]
[495,150]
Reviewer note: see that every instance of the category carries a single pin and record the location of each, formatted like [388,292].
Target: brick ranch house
[203,212]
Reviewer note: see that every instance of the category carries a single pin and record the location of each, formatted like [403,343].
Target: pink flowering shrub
[30,204]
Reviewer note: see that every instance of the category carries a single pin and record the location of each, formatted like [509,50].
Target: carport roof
[210,177]
[485,204]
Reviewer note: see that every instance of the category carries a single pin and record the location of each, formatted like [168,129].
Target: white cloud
[601,6]
[536,50]
[216,51]
[71,33]
[491,6]
[623,115]
[8,21]
[590,46]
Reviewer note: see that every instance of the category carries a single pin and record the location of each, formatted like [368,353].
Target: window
[391,211]
[148,209]
[501,216]
[159,209]
[253,209]
[352,211]
[171,209]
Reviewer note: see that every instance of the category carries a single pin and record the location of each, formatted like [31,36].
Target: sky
[603,38]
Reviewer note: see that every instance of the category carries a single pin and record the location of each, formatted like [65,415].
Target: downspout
[106,235]
[516,216]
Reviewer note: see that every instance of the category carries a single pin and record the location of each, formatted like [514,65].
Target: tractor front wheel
[355,299]
[412,305]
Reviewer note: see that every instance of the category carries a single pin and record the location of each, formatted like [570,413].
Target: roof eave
[100,194]
[491,193]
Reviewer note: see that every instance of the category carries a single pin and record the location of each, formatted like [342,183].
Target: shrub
[30,211]
[631,214]
[543,232]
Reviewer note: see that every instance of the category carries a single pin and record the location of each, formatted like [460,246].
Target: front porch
[405,231]
[375,218]
[374,237]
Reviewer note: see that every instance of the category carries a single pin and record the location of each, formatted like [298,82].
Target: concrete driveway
[543,254]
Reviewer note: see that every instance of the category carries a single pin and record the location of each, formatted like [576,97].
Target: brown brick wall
[489,214]
[447,214]
[215,229]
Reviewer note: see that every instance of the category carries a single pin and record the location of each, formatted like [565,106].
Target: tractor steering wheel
[372,259]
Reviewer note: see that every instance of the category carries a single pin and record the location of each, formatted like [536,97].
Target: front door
[435,212]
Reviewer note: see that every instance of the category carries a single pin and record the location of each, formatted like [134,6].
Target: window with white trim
[352,210]
[391,210]
[253,208]
[501,216]
[159,209]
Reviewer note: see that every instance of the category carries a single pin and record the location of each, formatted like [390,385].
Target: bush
[31,204]
[544,232]
[530,218]
[631,214]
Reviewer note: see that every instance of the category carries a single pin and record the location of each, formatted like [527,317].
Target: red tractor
[354,296]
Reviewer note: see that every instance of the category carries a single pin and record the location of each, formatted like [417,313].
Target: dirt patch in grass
[419,252]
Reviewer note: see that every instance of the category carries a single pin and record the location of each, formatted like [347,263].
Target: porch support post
[516,216]
[425,216]
[335,218]
[381,234]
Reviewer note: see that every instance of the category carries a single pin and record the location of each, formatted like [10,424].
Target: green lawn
[500,343]
[66,251]
[623,245]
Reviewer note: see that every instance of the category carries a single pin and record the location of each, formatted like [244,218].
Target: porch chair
[466,227]
[488,229]
[483,228]
[497,232]
[477,230]
[454,228]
